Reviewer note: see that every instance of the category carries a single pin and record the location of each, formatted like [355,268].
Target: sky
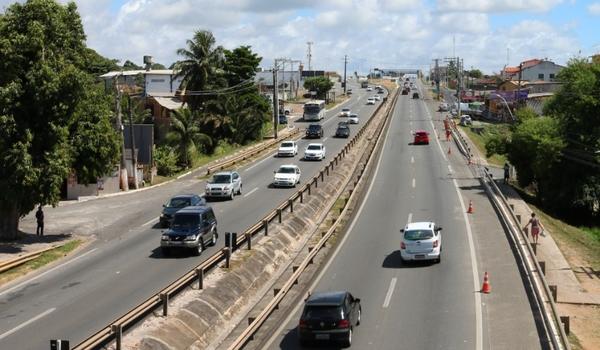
[487,34]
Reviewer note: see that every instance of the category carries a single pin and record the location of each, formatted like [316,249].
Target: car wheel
[348,341]
[240,190]
[358,318]
[232,194]
[439,259]
[198,250]
[213,239]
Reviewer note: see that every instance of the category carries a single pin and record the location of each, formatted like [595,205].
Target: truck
[364,82]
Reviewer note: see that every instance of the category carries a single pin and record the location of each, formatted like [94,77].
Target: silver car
[225,184]
[421,241]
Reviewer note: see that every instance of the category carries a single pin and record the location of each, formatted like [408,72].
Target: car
[421,137]
[225,184]
[287,148]
[178,202]
[421,241]
[353,119]
[283,119]
[342,131]
[443,107]
[314,151]
[380,91]
[287,175]
[193,228]
[314,131]
[371,101]
[329,316]
[349,92]
[415,95]
[369,88]
[465,120]
[405,91]
[343,123]
[345,112]
[377,97]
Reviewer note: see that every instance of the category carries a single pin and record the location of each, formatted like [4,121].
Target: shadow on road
[393,261]
[19,245]
[173,254]
[290,341]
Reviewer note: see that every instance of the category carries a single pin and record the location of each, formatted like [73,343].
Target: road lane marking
[409,218]
[449,168]
[149,222]
[338,248]
[26,323]
[185,174]
[257,163]
[414,182]
[325,139]
[45,273]
[390,291]
[252,191]
[412,160]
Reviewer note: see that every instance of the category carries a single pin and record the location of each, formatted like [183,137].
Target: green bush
[165,159]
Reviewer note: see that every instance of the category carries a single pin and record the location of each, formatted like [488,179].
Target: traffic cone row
[470,210]
[486,287]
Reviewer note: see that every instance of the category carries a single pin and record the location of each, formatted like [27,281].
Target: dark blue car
[176,203]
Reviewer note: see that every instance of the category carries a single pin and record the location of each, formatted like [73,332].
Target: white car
[314,151]
[345,112]
[421,241]
[377,97]
[353,119]
[287,175]
[371,101]
[287,149]
[369,88]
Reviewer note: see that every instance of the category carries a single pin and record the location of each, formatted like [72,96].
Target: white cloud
[474,23]
[594,8]
[495,6]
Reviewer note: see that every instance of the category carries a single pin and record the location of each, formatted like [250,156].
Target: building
[533,70]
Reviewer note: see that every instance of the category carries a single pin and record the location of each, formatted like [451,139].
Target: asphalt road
[124,266]
[416,306]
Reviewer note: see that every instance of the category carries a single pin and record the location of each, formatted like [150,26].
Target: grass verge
[41,261]
[479,139]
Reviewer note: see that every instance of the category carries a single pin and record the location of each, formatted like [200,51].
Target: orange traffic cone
[470,210]
[486,288]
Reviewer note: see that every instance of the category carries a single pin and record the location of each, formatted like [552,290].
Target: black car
[283,119]
[415,95]
[193,228]
[175,204]
[329,316]
[314,131]
[405,91]
[342,131]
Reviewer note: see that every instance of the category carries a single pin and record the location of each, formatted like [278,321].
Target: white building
[160,82]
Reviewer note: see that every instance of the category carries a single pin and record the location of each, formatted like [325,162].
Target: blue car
[175,204]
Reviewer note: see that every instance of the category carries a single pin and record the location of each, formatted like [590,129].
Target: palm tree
[186,137]
[201,65]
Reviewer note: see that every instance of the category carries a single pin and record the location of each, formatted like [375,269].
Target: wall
[157,84]
[545,67]
[110,184]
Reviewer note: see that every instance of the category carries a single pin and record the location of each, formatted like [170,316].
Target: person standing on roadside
[506,172]
[536,227]
[39,215]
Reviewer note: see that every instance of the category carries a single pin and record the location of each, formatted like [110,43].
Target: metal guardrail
[249,153]
[542,293]
[313,250]
[114,331]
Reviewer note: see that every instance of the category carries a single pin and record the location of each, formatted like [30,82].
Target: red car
[421,137]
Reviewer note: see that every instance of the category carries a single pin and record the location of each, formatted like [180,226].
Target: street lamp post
[506,104]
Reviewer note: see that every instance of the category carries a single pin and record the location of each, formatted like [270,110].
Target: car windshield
[421,134]
[313,148]
[286,170]
[287,144]
[186,220]
[221,179]
[178,202]
[353,115]
[323,312]
[314,127]
[343,128]
[345,109]
[417,235]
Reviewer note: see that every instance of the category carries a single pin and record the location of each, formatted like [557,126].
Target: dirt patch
[585,323]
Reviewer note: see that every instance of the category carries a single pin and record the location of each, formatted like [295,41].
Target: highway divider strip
[20,260]
[260,319]
[527,257]
[114,331]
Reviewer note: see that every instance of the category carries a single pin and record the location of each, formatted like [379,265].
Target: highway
[124,266]
[417,306]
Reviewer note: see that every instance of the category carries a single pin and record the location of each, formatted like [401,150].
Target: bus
[314,110]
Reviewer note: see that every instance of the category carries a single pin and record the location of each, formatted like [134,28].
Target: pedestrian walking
[39,215]
[536,227]
[506,172]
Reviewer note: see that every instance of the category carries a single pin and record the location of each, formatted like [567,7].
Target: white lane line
[185,174]
[409,218]
[26,323]
[257,163]
[149,222]
[45,273]
[414,183]
[449,168]
[339,247]
[390,291]
[325,139]
[252,191]
[412,160]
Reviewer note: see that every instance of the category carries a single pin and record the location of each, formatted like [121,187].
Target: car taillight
[435,243]
[302,324]
[343,324]
[402,245]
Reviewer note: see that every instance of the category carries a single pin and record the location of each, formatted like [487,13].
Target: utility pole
[123,184]
[309,55]
[275,101]
[345,65]
[131,136]
[437,76]
[519,86]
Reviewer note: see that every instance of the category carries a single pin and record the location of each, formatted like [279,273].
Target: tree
[186,137]
[96,65]
[475,73]
[128,65]
[52,120]
[240,65]
[321,85]
[203,61]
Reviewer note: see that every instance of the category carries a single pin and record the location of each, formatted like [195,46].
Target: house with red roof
[533,70]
